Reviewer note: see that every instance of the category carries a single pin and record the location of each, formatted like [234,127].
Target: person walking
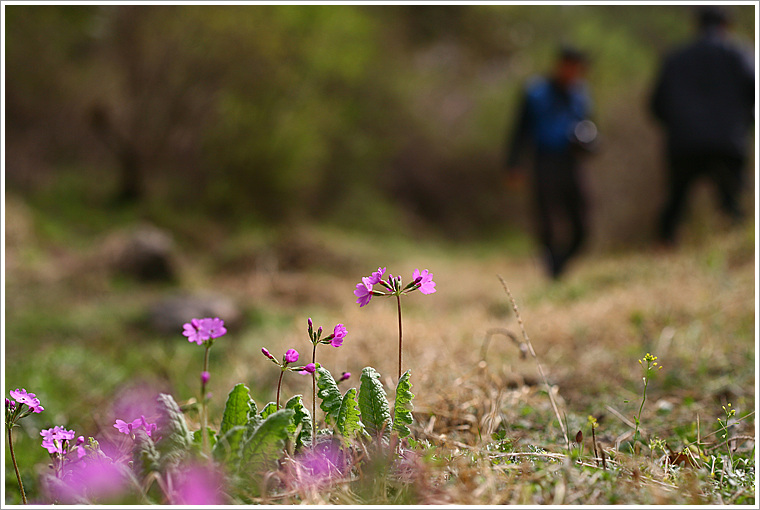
[552,126]
[704,98]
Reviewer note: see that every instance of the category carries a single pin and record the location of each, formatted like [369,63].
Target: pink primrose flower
[363,292]
[376,276]
[196,331]
[214,327]
[427,285]
[54,439]
[30,399]
[339,333]
[291,356]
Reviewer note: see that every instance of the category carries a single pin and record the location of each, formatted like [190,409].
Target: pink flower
[427,285]
[308,369]
[149,427]
[127,428]
[344,376]
[205,376]
[196,331]
[198,485]
[363,292]
[215,327]
[268,354]
[376,276]
[291,356]
[30,399]
[339,333]
[54,439]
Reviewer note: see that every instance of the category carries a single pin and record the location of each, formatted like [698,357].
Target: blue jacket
[547,118]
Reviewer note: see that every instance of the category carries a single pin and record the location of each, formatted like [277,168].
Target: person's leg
[681,173]
[573,206]
[544,206]
[727,173]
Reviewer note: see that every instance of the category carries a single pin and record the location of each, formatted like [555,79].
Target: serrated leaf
[145,457]
[301,417]
[373,404]
[269,409]
[265,444]
[402,414]
[237,410]
[175,437]
[328,391]
[349,422]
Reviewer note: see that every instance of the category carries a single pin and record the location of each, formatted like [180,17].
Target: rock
[168,315]
[146,254]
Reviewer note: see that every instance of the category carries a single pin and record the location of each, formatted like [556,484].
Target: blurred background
[253,162]
[369,117]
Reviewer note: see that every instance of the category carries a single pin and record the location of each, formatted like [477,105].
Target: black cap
[709,16]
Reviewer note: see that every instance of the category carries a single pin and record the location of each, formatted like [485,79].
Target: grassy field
[485,428]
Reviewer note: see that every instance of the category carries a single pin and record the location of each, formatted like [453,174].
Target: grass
[485,431]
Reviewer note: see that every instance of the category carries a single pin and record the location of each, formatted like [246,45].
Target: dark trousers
[724,171]
[560,208]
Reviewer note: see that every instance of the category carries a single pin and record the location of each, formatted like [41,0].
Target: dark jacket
[548,115]
[704,96]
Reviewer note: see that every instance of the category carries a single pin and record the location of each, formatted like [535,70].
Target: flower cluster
[290,356]
[204,330]
[422,280]
[335,338]
[651,362]
[139,423]
[24,398]
[57,441]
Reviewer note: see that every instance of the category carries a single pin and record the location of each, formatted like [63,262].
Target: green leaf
[349,418]
[301,417]
[198,438]
[402,415]
[265,444]
[175,439]
[373,405]
[239,407]
[144,454]
[270,408]
[328,391]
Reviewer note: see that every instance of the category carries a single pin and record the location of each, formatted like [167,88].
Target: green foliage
[328,391]
[402,415]
[348,422]
[198,438]
[264,444]
[373,404]
[269,409]
[175,437]
[144,454]
[237,412]
[301,417]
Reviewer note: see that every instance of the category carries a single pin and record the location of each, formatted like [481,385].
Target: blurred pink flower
[198,485]
[339,333]
[427,285]
[141,422]
[94,479]
[214,327]
[363,292]
[55,439]
[205,376]
[196,331]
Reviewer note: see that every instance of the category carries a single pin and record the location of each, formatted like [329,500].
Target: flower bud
[266,353]
[345,376]
[205,376]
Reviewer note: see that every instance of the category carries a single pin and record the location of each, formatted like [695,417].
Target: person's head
[712,17]
[570,67]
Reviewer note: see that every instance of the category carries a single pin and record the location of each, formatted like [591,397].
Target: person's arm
[520,138]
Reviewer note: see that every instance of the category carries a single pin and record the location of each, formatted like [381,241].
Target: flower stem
[398,303]
[279,383]
[204,409]
[15,466]
[314,399]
